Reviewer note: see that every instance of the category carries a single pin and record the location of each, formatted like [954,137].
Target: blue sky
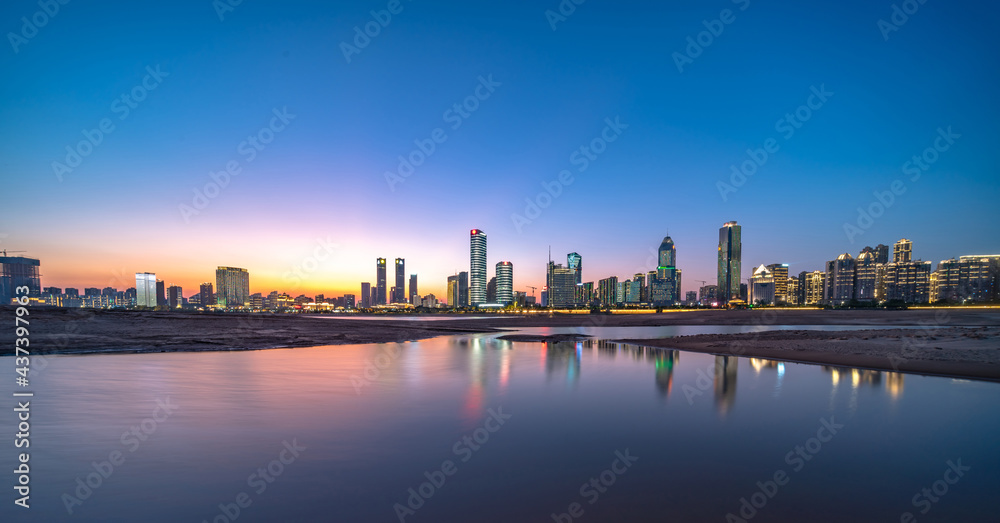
[324,174]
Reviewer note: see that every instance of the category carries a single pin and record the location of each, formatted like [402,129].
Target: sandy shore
[936,348]
[969,352]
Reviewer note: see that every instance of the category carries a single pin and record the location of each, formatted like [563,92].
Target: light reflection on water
[375,418]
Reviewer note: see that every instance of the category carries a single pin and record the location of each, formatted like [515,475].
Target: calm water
[367,423]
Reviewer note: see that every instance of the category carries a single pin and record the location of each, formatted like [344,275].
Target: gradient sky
[322,177]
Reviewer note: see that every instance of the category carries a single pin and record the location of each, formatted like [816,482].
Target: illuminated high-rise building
[206,294]
[762,286]
[575,261]
[145,289]
[840,280]
[730,255]
[865,276]
[780,273]
[902,251]
[452,296]
[561,286]
[607,291]
[400,294]
[232,287]
[380,288]
[812,285]
[667,253]
[505,282]
[477,270]
[908,282]
[175,297]
[881,254]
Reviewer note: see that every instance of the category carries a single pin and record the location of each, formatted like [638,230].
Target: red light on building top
[475,231]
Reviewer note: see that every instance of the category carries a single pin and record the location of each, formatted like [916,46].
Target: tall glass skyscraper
[667,253]
[730,254]
[232,287]
[400,296]
[505,282]
[380,281]
[145,289]
[575,261]
[477,272]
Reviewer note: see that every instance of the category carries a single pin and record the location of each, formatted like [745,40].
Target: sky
[120,120]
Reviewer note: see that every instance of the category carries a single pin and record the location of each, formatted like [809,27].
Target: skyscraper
[232,287]
[366,295]
[175,297]
[161,292]
[865,276]
[839,280]
[575,261]
[505,282]
[413,287]
[463,289]
[902,251]
[780,273]
[206,294]
[667,253]
[730,254]
[762,286]
[380,281]
[145,289]
[453,291]
[400,295]
[561,286]
[477,272]
[881,254]
[18,271]
[491,290]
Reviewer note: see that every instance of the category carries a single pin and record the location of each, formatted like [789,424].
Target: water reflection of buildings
[488,360]
[666,360]
[872,378]
[725,382]
[563,357]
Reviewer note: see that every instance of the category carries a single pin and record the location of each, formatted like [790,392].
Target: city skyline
[504,161]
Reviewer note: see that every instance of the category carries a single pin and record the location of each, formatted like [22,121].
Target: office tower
[232,287]
[477,271]
[373,297]
[380,281]
[413,287]
[881,253]
[399,295]
[452,295]
[647,293]
[145,289]
[463,289]
[780,273]
[349,301]
[561,286]
[839,280]
[607,291]
[161,293]
[730,254]
[366,295]
[792,291]
[505,282]
[865,272]
[175,297]
[575,261]
[902,251]
[207,295]
[491,290]
[621,293]
[18,271]
[667,253]
[633,290]
[392,293]
[762,288]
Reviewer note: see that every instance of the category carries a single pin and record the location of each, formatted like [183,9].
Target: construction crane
[532,290]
